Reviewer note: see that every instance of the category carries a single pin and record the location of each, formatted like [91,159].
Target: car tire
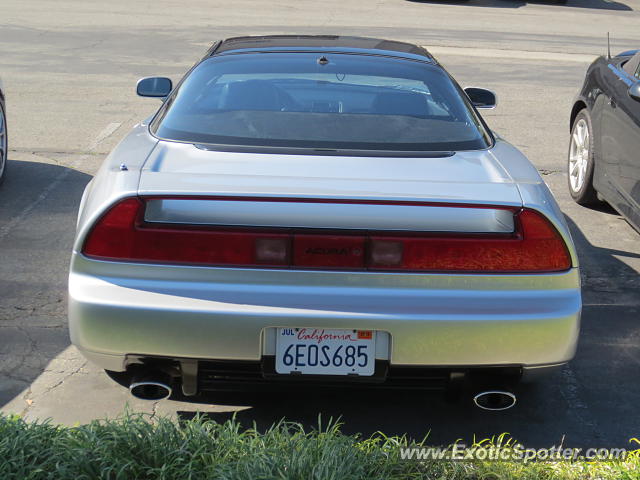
[581,160]
[4,143]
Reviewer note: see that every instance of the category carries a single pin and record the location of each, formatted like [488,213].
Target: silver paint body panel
[329,215]
[119,309]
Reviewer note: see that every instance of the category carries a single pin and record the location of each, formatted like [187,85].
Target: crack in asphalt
[13,377]
[570,391]
[15,312]
[24,355]
[154,410]
[26,359]
[15,221]
[48,151]
[29,400]
[88,47]
[545,172]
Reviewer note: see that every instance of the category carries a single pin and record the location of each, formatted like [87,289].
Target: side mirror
[481,97]
[634,91]
[154,87]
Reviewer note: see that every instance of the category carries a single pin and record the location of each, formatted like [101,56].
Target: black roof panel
[323,43]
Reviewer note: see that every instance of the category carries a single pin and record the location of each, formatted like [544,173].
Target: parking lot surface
[69,70]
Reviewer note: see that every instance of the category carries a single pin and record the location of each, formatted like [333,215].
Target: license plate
[318,351]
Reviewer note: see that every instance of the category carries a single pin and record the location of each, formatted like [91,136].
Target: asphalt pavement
[69,69]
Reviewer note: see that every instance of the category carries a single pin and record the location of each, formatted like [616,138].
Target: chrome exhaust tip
[495,400]
[153,385]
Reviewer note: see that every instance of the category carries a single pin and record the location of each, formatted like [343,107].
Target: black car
[604,150]
[3,135]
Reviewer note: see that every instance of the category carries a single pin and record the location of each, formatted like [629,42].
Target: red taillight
[123,235]
[114,235]
[536,247]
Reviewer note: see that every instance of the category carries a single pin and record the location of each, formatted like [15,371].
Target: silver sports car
[320,209]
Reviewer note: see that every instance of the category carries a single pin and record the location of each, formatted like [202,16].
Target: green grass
[132,447]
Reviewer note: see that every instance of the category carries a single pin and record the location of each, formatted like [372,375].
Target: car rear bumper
[201,376]
[229,314]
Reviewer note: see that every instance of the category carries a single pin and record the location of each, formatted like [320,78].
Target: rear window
[321,101]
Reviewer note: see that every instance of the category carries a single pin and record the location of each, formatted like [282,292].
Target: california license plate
[318,351]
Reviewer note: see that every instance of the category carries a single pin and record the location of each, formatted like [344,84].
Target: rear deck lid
[465,177]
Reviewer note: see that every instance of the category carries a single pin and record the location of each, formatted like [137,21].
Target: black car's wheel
[4,144]
[580,160]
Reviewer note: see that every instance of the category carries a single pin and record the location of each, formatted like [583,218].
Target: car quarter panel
[533,190]
[118,177]
[590,90]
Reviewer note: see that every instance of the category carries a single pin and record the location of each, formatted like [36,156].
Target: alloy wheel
[579,155]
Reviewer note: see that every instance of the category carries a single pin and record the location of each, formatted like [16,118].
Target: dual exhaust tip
[155,385]
[495,400]
[151,385]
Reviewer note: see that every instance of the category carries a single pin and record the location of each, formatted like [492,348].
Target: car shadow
[585,403]
[606,278]
[603,207]
[38,205]
[592,4]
